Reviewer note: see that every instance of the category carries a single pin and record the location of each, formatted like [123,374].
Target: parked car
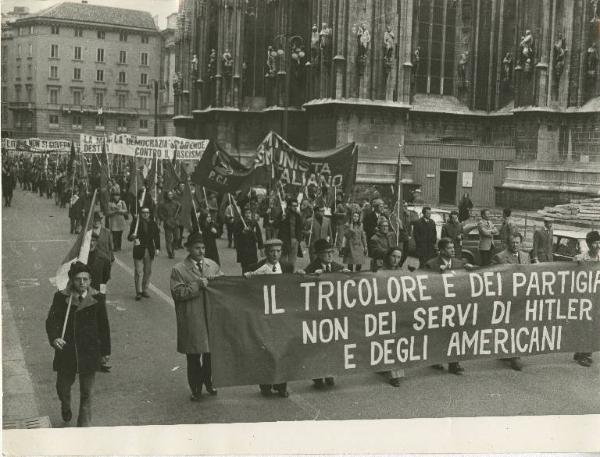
[566,244]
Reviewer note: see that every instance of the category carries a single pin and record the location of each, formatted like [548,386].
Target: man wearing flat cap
[272,265]
[81,345]
[592,240]
[189,280]
[323,263]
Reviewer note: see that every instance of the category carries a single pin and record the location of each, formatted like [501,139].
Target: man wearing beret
[80,348]
[146,244]
[592,239]
[189,280]
[323,263]
[271,265]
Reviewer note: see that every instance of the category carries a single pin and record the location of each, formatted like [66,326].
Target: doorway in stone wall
[448,181]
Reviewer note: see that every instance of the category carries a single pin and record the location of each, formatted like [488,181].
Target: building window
[122,57]
[17,93]
[122,36]
[101,35]
[31,29]
[122,98]
[77,74]
[144,79]
[99,99]
[53,72]
[486,166]
[100,121]
[29,89]
[143,102]
[76,121]
[144,39]
[54,51]
[18,77]
[144,59]
[4,78]
[54,119]
[122,125]
[76,97]
[435,39]
[144,124]
[78,32]
[18,51]
[99,75]
[100,55]
[122,77]
[54,29]
[54,96]
[449,164]
[77,53]
[30,51]
[29,71]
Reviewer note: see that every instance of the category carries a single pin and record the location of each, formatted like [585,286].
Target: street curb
[19,401]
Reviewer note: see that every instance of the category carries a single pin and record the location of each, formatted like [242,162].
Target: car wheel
[468,258]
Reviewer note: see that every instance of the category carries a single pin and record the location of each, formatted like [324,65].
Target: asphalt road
[148,384]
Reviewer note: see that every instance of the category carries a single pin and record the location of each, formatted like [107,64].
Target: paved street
[148,382]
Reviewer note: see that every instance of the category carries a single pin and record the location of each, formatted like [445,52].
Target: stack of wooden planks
[583,211]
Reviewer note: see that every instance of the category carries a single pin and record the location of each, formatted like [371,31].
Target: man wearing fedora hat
[81,344]
[272,265]
[323,263]
[189,279]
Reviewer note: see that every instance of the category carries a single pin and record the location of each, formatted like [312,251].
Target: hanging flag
[84,169]
[151,176]
[187,207]
[170,176]
[71,160]
[136,181]
[79,251]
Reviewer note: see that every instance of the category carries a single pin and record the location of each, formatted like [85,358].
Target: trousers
[290,256]
[64,381]
[171,238]
[199,371]
[142,272]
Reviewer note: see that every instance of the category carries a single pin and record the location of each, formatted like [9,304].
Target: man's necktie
[328,268]
[274,268]
[199,265]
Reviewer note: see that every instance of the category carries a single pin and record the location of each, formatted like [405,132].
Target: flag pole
[64,329]
[399,189]
[233,203]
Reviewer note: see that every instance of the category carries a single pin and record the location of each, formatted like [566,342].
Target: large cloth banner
[144,147]
[36,145]
[274,328]
[297,169]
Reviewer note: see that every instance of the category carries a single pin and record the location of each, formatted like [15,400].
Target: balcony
[21,105]
[93,109]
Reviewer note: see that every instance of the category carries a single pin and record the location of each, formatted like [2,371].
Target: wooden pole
[233,203]
[64,328]
[399,190]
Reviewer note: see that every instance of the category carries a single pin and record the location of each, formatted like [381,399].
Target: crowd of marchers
[269,233]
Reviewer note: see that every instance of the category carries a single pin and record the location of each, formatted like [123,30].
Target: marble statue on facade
[595,4]
[463,61]
[315,44]
[212,64]
[227,60]
[526,51]
[388,48]
[591,62]
[416,59]
[270,62]
[364,39]
[325,40]
[507,67]
[194,67]
[177,83]
[559,53]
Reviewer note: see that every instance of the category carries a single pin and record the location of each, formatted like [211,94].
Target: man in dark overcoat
[248,240]
[85,341]
[146,244]
[425,236]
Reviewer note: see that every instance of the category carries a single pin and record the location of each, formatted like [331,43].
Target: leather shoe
[66,414]
[455,368]
[145,295]
[585,361]
[283,393]
[330,382]
[395,382]
[318,383]
[516,364]
[211,390]
[138,297]
[438,366]
[265,392]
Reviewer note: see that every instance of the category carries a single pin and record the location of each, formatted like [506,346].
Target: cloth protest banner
[275,328]
[219,171]
[144,147]
[36,145]
[297,169]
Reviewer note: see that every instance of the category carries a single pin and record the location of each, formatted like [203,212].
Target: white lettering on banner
[144,147]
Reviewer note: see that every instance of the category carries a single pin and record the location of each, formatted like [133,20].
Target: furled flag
[136,181]
[79,251]
[71,159]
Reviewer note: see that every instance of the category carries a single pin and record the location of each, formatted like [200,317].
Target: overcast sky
[162,8]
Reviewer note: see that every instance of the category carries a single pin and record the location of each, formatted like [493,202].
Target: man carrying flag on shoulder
[146,244]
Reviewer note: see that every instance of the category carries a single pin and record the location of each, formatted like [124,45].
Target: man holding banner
[189,280]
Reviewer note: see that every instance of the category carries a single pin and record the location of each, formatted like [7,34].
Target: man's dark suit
[246,243]
[425,236]
[99,267]
[149,237]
